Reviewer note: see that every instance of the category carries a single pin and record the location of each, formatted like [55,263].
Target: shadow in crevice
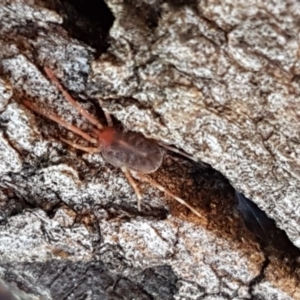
[86,20]
[229,213]
[264,228]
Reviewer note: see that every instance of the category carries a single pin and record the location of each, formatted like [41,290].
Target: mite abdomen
[131,150]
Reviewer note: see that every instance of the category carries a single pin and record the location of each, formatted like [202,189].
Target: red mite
[130,151]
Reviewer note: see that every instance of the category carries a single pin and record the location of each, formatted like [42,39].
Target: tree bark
[217,80]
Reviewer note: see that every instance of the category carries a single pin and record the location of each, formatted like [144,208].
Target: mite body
[130,151]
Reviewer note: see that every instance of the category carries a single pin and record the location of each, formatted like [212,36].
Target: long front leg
[80,147]
[70,99]
[59,121]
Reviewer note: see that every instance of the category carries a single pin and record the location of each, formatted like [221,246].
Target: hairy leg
[155,184]
[107,115]
[59,121]
[175,150]
[134,186]
[80,147]
[69,98]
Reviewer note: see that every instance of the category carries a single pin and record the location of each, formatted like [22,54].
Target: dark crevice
[14,203]
[180,3]
[158,282]
[147,14]
[127,212]
[86,20]
[256,280]
[272,240]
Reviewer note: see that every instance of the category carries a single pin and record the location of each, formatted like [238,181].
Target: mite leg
[69,98]
[59,121]
[107,115]
[108,118]
[94,132]
[80,147]
[166,191]
[175,150]
[134,186]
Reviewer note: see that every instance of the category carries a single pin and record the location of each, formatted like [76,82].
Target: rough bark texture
[217,79]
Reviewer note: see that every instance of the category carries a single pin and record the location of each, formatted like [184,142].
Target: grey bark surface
[216,79]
